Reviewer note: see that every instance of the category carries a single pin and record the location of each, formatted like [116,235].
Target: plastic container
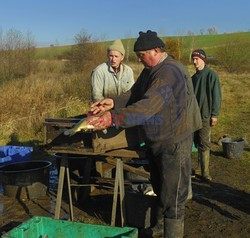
[194,149]
[233,147]
[140,210]
[28,179]
[11,154]
[48,227]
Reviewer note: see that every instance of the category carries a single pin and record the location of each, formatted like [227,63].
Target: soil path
[220,208]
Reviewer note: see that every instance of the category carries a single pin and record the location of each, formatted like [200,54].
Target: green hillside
[207,42]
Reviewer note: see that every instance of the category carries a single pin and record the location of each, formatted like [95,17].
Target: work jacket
[157,102]
[208,92]
[106,83]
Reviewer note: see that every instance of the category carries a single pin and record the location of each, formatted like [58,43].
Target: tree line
[17,53]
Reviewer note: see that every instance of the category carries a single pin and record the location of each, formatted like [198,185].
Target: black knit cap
[147,41]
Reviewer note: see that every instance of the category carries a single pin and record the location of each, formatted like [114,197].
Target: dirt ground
[220,208]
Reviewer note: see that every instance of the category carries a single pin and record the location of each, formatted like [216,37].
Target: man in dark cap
[157,103]
[208,94]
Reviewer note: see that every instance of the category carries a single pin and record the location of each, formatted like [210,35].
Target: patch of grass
[54,52]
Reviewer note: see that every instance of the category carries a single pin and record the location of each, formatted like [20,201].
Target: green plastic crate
[46,227]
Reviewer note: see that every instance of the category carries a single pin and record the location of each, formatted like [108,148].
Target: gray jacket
[106,83]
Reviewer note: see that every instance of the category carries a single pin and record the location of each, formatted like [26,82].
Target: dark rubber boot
[204,160]
[157,230]
[173,228]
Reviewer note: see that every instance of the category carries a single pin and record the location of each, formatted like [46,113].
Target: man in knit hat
[158,104]
[112,77]
[208,94]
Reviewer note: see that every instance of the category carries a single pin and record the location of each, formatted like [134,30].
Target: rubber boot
[173,228]
[204,160]
[157,230]
[190,191]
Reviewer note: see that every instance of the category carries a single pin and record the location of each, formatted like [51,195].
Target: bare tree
[16,54]
[191,34]
[202,31]
[212,31]
[128,37]
[180,41]
[85,54]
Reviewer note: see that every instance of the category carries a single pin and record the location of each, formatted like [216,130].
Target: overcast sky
[52,22]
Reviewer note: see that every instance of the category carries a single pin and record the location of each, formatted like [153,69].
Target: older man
[112,77]
[157,102]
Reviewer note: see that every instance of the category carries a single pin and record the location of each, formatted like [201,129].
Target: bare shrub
[85,54]
[174,47]
[16,55]
[233,56]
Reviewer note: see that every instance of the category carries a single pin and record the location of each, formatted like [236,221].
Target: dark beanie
[147,41]
[199,53]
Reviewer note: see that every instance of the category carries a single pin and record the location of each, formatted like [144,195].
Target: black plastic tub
[25,179]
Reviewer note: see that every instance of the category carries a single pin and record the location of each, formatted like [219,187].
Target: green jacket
[208,92]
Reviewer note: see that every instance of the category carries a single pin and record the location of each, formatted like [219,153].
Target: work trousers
[202,137]
[170,166]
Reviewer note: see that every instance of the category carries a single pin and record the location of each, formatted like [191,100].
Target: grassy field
[52,91]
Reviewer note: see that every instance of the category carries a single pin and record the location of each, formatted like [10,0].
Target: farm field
[220,208]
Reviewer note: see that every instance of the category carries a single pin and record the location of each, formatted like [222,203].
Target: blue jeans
[170,166]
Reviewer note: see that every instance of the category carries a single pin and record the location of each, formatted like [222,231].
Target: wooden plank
[129,168]
[122,193]
[124,153]
[61,119]
[69,189]
[60,188]
[115,196]
[60,124]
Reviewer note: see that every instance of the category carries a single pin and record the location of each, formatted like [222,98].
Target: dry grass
[51,92]
[48,93]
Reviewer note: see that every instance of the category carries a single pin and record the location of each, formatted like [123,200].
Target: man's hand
[103,105]
[213,121]
[103,122]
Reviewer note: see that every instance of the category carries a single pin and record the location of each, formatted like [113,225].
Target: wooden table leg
[119,185]
[122,194]
[69,191]
[60,187]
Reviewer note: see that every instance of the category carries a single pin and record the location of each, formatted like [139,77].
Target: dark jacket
[158,103]
[208,92]
[193,110]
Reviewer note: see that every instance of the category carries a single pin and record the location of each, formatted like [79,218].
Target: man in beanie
[157,103]
[208,94]
[112,77]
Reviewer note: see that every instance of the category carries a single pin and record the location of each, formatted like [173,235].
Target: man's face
[198,63]
[147,57]
[115,58]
